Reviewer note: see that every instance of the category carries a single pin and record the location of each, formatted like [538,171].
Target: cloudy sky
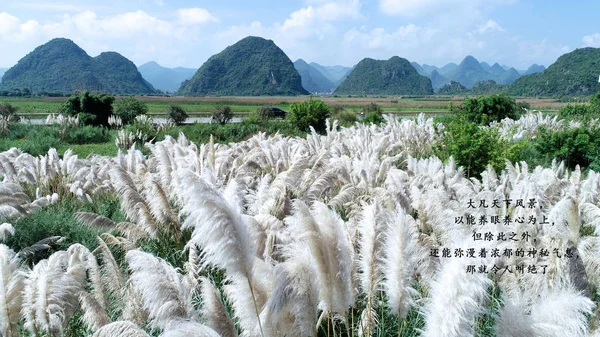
[185,33]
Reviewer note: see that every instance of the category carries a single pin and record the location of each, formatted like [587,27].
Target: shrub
[269,112]
[128,108]
[373,113]
[595,103]
[8,115]
[309,113]
[9,111]
[222,114]
[344,117]
[575,111]
[522,106]
[87,135]
[472,147]
[91,109]
[263,112]
[485,109]
[177,114]
[578,146]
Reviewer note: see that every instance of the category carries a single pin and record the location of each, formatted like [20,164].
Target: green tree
[373,113]
[313,113]
[577,146]
[128,108]
[222,114]
[595,103]
[485,109]
[9,111]
[177,114]
[575,111]
[92,109]
[472,147]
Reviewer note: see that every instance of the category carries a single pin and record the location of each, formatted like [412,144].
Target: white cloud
[195,16]
[592,40]
[8,24]
[326,12]
[417,8]
[119,26]
[409,36]
[490,26]
[137,35]
[409,7]
[53,6]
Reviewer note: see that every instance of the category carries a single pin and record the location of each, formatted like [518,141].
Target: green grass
[58,219]
[38,139]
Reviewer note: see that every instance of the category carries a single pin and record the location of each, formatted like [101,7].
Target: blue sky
[185,33]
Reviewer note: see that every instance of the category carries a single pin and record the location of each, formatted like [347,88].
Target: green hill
[395,76]
[312,79]
[252,66]
[575,73]
[61,65]
[453,88]
[118,75]
[165,79]
[488,87]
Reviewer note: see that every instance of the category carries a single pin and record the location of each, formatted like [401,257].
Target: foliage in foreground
[128,108]
[307,236]
[311,112]
[92,109]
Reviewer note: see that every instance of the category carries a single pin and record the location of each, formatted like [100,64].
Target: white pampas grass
[456,299]
[94,315]
[164,293]
[214,314]
[6,230]
[562,312]
[11,284]
[50,296]
[331,253]
[402,253]
[121,329]
[292,307]
[188,329]
[371,228]
[217,229]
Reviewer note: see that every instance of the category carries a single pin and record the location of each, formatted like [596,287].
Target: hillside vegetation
[62,66]
[395,76]
[252,66]
[575,73]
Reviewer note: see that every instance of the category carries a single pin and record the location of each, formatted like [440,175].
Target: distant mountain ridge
[312,79]
[395,76]
[163,78]
[470,71]
[2,71]
[534,69]
[60,65]
[336,74]
[250,67]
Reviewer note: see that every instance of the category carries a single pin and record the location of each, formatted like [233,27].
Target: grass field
[202,106]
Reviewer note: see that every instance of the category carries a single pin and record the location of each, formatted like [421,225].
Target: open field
[341,229]
[202,106]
